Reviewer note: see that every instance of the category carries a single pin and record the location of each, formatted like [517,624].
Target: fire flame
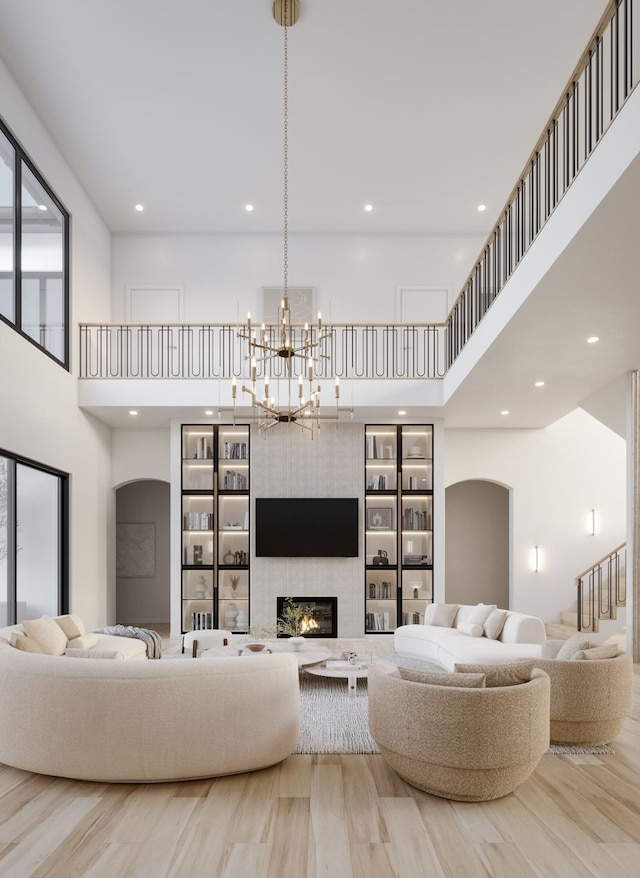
[308,624]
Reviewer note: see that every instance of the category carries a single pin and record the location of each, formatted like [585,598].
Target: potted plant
[293,620]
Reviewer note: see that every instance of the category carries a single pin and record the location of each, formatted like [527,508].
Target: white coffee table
[306,655]
[351,674]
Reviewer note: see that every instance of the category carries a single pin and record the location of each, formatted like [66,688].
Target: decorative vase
[242,619]
[296,643]
[231,616]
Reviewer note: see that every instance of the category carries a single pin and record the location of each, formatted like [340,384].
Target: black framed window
[34,253]
[33,540]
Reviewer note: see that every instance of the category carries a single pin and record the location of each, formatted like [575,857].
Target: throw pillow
[72,626]
[494,624]
[467,681]
[47,634]
[480,613]
[441,615]
[571,646]
[470,628]
[596,652]
[94,653]
[500,675]
[21,641]
[85,641]
[550,648]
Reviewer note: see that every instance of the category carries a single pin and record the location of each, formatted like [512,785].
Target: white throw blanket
[151,638]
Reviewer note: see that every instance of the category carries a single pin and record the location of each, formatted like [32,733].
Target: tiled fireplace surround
[289,463]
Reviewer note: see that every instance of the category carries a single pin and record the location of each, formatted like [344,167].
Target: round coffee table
[306,655]
[351,674]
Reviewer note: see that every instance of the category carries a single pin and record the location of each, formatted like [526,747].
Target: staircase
[601,590]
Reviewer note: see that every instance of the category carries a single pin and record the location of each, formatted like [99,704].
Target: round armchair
[465,744]
[590,699]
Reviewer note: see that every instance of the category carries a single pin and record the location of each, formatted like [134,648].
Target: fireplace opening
[322,622]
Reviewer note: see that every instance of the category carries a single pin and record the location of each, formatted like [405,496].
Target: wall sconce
[535,559]
[591,523]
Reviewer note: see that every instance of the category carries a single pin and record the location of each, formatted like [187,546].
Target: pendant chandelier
[299,348]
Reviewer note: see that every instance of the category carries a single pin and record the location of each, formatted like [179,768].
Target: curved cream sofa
[124,721]
[469,745]
[590,699]
[521,637]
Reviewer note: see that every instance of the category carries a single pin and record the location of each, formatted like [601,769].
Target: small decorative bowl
[254,647]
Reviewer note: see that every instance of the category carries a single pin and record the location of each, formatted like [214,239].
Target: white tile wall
[287,462]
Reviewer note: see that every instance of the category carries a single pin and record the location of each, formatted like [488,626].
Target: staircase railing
[602,588]
[601,83]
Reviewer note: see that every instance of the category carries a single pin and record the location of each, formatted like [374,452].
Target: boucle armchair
[590,700]
[464,744]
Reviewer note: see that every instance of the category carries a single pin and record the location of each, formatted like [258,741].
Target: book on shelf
[377,621]
[198,521]
[410,558]
[201,621]
[236,451]
[415,519]
[413,618]
[234,481]
[381,590]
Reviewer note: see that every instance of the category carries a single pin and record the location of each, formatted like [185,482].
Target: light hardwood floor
[329,816]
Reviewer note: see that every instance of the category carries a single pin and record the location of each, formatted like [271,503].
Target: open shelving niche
[398,525]
[215,527]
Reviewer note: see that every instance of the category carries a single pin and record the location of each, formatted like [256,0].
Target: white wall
[40,418]
[355,276]
[556,476]
[140,454]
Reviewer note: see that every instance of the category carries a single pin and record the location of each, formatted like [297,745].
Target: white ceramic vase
[296,643]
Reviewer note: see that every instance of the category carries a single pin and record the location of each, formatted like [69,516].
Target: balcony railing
[603,80]
[409,351]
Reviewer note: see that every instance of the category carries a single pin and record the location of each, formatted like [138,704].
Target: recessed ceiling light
[208,412]
[368,208]
[248,207]
[139,207]
[504,412]
[539,384]
[42,207]
[593,339]
[482,208]
[402,412]
[133,412]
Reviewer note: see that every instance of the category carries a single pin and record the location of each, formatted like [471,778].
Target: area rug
[334,722]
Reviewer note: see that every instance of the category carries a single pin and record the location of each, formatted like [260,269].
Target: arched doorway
[477,543]
[142,553]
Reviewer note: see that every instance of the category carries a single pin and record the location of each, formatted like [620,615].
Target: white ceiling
[424,109]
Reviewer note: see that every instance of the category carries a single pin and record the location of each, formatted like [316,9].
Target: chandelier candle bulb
[337,388]
[234,387]
[253,368]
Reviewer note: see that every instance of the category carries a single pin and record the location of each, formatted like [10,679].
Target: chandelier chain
[286,149]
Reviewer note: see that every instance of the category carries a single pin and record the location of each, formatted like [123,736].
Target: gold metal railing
[602,588]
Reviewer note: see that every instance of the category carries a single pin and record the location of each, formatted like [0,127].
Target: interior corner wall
[556,475]
[38,398]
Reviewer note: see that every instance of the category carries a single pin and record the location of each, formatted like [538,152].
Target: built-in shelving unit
[215,527]
[398,525]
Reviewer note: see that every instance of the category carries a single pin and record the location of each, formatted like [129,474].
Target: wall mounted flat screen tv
[324,527]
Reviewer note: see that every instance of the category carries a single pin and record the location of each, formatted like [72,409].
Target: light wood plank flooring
[329,816]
